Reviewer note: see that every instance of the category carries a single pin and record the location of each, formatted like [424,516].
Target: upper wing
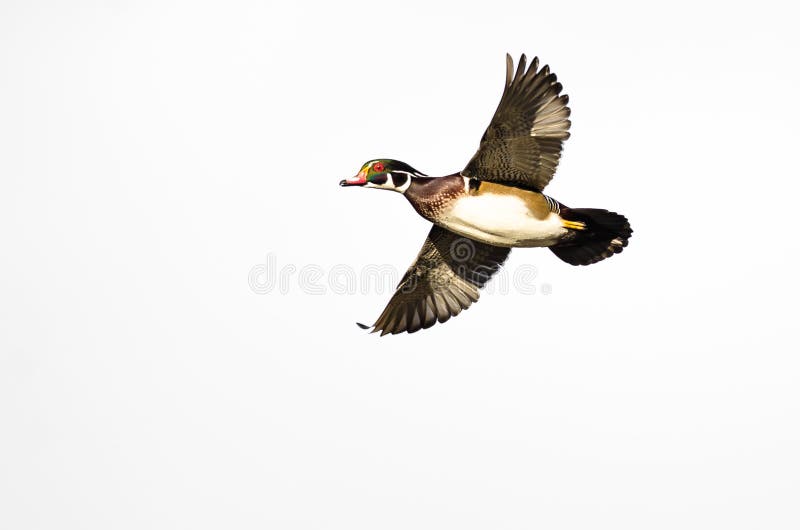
[443,281]
[522,145]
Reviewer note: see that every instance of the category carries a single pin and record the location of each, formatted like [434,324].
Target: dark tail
[606,234]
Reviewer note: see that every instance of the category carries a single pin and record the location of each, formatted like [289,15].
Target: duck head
[385,174]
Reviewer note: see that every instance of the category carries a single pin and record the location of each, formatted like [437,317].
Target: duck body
[491,213]
[494,204]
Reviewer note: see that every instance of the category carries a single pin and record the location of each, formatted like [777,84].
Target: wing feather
[443,281]
[522,145]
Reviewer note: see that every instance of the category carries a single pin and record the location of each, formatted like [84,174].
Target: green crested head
[383,173]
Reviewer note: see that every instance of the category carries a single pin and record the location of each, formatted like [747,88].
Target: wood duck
[494,204]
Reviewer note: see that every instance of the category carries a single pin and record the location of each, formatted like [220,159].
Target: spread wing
[443,281]
[522,145]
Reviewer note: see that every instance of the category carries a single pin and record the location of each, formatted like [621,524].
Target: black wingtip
[362,326]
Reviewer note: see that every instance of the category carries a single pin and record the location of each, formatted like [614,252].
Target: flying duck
[494,204]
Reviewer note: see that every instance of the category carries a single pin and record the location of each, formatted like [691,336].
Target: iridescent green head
[383,173]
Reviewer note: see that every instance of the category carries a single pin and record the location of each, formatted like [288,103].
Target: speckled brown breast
[430,196]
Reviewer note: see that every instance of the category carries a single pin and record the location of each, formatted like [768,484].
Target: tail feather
[606,234]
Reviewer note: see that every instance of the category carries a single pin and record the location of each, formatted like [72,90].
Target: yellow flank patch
[534,201]
[573,225]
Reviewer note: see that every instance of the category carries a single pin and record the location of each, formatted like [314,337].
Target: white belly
[503,220]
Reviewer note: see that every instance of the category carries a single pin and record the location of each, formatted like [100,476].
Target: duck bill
[358,180]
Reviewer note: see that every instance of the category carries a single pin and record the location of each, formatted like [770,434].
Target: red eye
[377,167]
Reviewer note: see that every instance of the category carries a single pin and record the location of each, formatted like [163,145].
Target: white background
[151,154]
